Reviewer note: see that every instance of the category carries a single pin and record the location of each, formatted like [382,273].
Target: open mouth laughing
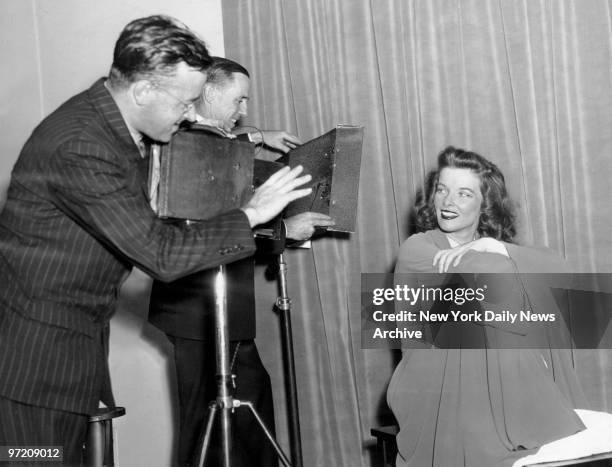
[448,215]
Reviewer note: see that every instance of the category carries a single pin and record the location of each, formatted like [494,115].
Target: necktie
[142,147]
[154,174]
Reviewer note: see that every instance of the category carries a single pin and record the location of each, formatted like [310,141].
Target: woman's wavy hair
[497,218]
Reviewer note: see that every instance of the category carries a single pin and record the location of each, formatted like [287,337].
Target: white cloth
[595,439]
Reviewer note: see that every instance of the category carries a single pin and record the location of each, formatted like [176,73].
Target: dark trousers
[196,368]
[27,425]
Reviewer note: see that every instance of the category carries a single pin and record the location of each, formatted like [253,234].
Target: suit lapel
[104,102]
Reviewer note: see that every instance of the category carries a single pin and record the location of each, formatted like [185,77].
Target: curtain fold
[526,83]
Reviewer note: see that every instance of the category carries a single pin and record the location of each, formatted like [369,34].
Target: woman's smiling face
[457,201]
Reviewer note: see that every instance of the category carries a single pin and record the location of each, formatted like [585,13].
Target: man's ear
[208,92]
[142,92]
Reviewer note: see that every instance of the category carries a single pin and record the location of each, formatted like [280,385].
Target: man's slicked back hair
[152,47]
[222,69]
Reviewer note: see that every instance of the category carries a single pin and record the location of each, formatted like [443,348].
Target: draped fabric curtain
[526,83]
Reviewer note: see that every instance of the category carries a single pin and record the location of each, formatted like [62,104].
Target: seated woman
[476,407]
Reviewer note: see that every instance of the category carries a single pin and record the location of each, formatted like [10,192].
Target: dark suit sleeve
[105,194]
[274,244]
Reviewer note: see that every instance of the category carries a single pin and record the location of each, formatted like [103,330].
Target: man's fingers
[287,146]
[324,223]
[284,186]
[285,177]
[275,193]
[291,140]
[317,216]
[278,175]
[294,172]
[296,194]
[320,219]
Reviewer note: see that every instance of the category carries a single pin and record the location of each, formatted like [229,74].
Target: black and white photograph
[306,233]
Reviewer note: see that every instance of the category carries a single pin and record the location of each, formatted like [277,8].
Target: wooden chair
[386,446]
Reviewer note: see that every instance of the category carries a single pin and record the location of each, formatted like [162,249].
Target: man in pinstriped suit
[77,218]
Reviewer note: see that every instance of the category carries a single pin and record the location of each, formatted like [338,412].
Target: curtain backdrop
[527,84]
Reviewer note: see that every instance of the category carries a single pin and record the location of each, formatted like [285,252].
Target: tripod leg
[212,410]
[283,305]
[292,395]
[277,448]
[226,428]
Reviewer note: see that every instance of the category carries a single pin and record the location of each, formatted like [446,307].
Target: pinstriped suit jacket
[76,219]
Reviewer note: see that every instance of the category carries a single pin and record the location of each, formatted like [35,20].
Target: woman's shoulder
[419,242]
[417,251]
[416,239]
[433,238]
[537,258]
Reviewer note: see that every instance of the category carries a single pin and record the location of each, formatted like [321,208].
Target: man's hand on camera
[280,140]
[302,226]
[275,193]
